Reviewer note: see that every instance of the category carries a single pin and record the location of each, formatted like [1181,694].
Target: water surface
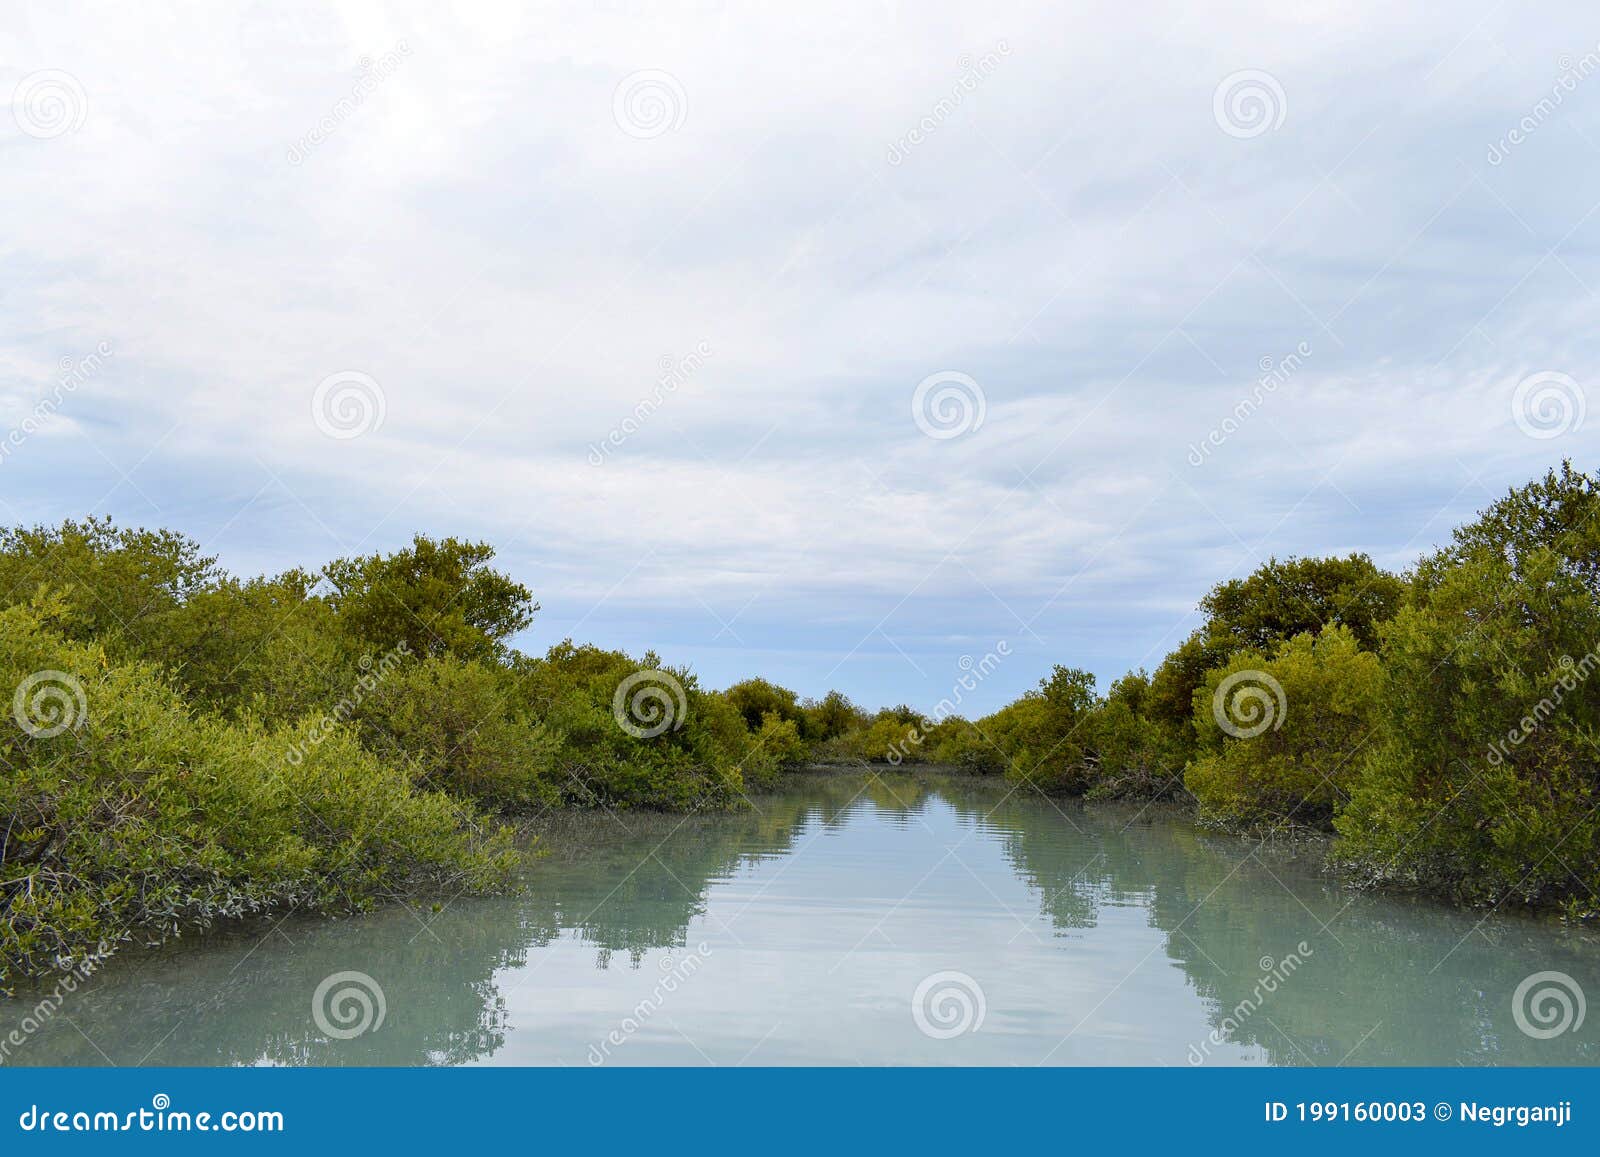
[801,931]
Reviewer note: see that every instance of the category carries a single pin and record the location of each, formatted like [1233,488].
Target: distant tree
[758,698]
[831,717]
[440,597]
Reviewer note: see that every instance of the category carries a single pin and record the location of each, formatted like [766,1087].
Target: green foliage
[892,738]
[112,583]
[1281,600]
[267,646]
[438,597]
[1045,735]
[695,761]
[1136,755]
[277,741]
[755,699]
[460,726]
[1275,603]
[128,816]
[955,742]
[779,741]
[1484,781]
[1297,771]
[831,717]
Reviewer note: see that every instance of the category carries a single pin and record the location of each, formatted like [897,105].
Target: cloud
[447,204]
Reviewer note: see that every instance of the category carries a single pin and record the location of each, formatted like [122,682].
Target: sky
[843,344]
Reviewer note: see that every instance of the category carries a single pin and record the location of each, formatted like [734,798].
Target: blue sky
[359,270]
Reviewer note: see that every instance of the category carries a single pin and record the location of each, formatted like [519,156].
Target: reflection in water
[797,932]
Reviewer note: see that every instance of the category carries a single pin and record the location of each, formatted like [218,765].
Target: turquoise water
[853,919]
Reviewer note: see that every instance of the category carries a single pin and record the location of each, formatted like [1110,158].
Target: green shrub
[684,750]
[1135,756]
[459,726]
[1045,735]
[1485,783]
[128,816]
[1301,720]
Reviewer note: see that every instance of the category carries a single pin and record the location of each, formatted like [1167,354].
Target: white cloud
[1077,234]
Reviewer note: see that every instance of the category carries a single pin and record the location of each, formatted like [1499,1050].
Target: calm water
[801,933]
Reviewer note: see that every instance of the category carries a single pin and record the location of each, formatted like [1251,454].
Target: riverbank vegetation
[184,745]
[1444,724]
